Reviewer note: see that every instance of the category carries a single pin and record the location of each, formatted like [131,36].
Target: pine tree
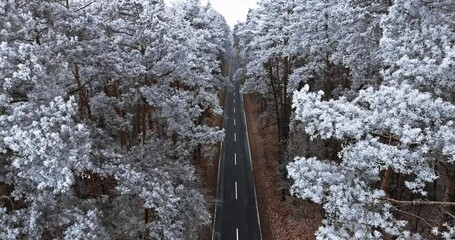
[394,128]
[101,107]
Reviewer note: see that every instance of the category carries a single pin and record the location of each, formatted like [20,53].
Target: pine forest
[114,119]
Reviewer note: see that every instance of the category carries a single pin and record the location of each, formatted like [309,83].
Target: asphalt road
[236,214]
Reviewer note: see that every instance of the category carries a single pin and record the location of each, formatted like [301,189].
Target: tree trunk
[124,138]
[327,83]
[334,148]
[146,220]
[84,106]
[143,122]
[286,105]
[449,195]
[346,83]
[279,96]
[275,98]
[388,175]
[400,184]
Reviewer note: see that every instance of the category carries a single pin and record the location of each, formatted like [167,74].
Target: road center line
[234,109]
[235,137]
[235,159]
[234,101]
[235,190]
[234,121]
[237,234]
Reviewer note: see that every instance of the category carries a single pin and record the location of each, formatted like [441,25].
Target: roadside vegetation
[360,94]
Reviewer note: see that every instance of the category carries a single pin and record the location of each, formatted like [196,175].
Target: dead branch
[391,139]
[448,213]
[419,202]
[84,7]
[9,199]
[416,216]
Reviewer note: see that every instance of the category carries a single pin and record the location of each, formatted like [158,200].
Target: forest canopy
[103,111]
[362,97]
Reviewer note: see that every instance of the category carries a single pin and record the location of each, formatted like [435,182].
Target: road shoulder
[291,219]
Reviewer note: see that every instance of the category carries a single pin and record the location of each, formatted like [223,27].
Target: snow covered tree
[315,34]
[356,37]
[390,143]
[44,152]
[270,62]
[102,105]
[418,45]
[395,129]
[162,107]
[336,44]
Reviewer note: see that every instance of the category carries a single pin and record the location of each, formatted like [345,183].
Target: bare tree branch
[419,202]
[416,216]
[84,7]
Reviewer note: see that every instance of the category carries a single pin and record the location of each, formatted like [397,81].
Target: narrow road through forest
[236,214]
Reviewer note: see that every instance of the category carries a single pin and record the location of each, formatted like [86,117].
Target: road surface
[236,214]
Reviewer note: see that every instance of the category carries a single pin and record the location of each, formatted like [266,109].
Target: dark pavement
[236,214]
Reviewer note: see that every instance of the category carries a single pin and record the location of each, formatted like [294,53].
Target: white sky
[232,10]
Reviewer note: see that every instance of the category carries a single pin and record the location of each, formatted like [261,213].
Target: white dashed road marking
[235,190]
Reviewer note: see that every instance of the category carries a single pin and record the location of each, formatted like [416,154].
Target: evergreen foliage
[103,107]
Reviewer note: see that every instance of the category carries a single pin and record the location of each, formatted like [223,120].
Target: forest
[361,94]
[107,108]
[103,112]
